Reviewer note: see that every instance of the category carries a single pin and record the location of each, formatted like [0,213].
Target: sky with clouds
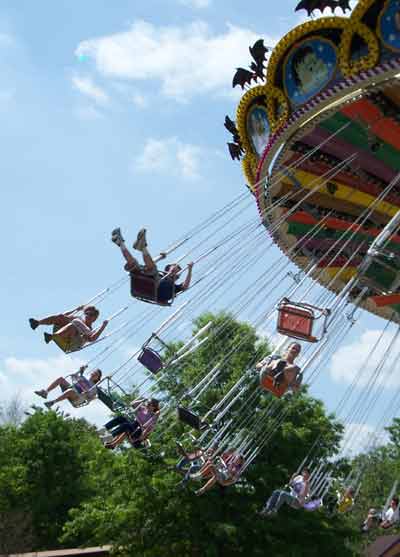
[112,115]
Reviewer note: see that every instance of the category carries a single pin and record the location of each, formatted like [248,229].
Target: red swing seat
[275,389]
[296,320]
[144,288]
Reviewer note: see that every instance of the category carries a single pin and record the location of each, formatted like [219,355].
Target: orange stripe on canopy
[302,217]
[385,128]
[386,300]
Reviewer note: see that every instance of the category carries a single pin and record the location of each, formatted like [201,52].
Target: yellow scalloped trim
[276,95]
[273,94]
[360,9]
[350,67]
[241,114]
[249,165]
[297,33]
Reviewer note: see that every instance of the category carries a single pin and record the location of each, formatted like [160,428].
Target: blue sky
[112,114]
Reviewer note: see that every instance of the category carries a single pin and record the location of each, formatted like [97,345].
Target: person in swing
[282,373]
[72,331]
[383,519]
[137,429]
[295,496]
[81,389]
[166,285]
[226,472]
[194,461]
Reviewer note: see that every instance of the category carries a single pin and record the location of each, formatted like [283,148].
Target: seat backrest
[105,398]
[151,360]
[144,287]
[268,383]
[78,404]
[296,322]
[190,418]
[67,345]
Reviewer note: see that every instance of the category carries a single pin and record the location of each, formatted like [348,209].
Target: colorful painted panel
[389,25]
[309,67]
[258,129]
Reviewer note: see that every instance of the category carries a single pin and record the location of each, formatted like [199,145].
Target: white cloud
[139,100]
[29,374]
[188,159]
[349,361]
[198,4]
[358,438]
[86,86]
[24,376]
[188,60]
[170,154]
[88,113]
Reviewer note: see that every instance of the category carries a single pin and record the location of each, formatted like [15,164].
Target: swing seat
[313,505]
[269,384]
[191,419]
[106,399]
[296,321]
[80,403]
[144,288]
[68,345]
[151,360]
[85,396]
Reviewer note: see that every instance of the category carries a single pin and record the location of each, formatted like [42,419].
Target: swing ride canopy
[323,124]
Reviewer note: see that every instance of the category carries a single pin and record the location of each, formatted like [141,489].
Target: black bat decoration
[235,151]
[242,77]
[311,5]
[258,52]
[230,126]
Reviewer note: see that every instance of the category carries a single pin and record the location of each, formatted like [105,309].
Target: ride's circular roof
[321,142]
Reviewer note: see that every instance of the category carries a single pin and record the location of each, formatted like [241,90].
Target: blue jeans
[279,497]
[120,424]
[194,467]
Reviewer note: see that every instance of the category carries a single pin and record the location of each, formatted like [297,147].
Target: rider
[82,389]
[138,429]
[282,373]
[383,519]
[72,330]
[346,500]
[295,496]
[225,473]
[166,281]
[192,463]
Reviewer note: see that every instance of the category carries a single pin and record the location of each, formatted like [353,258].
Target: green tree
[379,468]
[44,472]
